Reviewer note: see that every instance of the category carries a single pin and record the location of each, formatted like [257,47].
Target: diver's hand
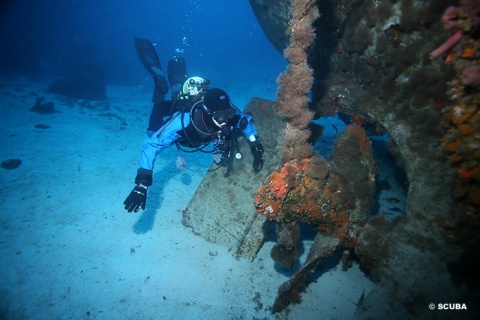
[257,152]
[136,199]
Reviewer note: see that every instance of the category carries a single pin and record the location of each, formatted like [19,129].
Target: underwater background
[220,41]
[71,250]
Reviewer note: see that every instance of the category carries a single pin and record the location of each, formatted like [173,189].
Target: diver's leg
[147,54]
[177,74]
[159,116]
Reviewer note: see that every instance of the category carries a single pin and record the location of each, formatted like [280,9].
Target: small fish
[181,163]
[42,126]
[361,300]
[335,128]
[395,209]
[393,200]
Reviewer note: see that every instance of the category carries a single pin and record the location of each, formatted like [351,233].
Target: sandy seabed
[70,251]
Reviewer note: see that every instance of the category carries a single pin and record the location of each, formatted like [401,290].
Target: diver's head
[194,86]
[217,105]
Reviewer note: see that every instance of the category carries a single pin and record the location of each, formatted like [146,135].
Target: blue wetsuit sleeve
[161,139]
[250,130]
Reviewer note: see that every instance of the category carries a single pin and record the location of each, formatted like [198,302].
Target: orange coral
[358,120]
[451,146]
[466,129]
[467,173]
[292,191]
[468,52]
[277,186]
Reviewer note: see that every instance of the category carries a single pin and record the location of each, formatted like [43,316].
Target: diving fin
[147,54]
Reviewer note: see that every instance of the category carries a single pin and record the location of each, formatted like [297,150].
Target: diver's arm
[163,138]
[160,140]
[250,132]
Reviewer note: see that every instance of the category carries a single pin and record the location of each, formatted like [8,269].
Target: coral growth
[370,239]
[312,191]
[293,147]
[393,81]
[447,45]
[461,139]
[335,198]
[285,251]
[471,76]
[295,83]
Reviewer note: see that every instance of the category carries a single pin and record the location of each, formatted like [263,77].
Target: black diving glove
[257,152]
[136,199]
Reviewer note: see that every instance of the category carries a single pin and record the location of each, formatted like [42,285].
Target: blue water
[220,40]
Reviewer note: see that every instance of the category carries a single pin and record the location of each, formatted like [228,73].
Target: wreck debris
[383,72]
[234,223]
[290,290]
[81,80]
[336,198]
[43,107]
[11,164]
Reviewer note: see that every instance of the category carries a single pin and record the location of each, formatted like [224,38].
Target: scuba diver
[196,116]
